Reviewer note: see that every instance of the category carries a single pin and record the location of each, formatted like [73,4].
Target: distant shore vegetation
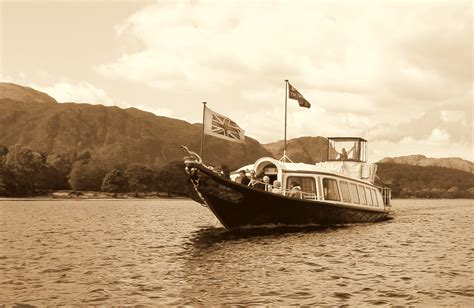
[26,173]
[407,181]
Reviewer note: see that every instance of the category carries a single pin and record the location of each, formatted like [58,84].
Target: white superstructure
[345,178]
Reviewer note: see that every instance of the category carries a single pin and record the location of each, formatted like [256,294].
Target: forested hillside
[112,135]
[426,182]
[46,145]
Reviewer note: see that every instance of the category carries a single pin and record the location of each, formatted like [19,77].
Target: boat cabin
[318,183]
[345,177]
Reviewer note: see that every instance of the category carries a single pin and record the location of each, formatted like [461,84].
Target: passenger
[242,178]
[295,190]
[343,155]
[225,171]
[238,179]
[253,179]
[277,187]
[266,181]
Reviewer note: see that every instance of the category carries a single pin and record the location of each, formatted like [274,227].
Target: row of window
[357,193]
[349,192]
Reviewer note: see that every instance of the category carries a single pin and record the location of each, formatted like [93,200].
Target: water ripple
[159,252]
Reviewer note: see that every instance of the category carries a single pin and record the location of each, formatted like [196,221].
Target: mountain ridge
[113,135]
[20,93]
[122,136]
[424,161]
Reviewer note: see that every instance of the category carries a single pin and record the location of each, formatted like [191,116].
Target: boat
[337,191]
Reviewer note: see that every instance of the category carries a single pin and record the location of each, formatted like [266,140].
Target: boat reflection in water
[248,266]
[340,190]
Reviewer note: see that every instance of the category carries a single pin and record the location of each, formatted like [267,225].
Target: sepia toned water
[125,252]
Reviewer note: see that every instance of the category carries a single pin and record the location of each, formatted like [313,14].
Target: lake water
[125,252]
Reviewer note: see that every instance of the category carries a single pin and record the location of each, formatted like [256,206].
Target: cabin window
[308,185]
[330,190]
[320,190]
[346,195]
[363,200]
[369,197]
[374,197]
[354,194]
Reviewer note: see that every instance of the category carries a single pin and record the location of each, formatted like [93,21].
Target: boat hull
[236,205]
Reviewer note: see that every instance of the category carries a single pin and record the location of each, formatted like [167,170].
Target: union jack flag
[222,127]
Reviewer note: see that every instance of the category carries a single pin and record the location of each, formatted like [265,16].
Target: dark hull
[236,205]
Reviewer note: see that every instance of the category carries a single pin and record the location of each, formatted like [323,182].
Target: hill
[421,160]
[23,94]
[72,133]
[304,149]
[426,181]
[112,135]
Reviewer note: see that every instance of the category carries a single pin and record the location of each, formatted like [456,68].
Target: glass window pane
[369,197]
[307,184]
[354,194]
[320,193]
[374,197]
[346,195]
[363,200]
[331,191]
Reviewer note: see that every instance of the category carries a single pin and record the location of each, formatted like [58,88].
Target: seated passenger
[295,191]
[277,187]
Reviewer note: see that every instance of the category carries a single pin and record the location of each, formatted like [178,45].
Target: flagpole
[202,135]
[286,103]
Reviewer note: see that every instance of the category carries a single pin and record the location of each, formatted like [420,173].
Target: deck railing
[386,195]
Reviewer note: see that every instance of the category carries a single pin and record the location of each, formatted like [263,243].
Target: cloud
[84,92]
[400,70]
[81,92]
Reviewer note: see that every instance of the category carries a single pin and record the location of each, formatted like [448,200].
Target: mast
[286,104]
[202,135]
[285,158]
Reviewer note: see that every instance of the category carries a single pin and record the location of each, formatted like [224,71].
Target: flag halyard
[294,94]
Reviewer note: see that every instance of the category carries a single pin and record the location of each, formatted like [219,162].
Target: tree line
[25,172]
[408,181]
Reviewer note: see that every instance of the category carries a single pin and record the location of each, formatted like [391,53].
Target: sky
[398,73]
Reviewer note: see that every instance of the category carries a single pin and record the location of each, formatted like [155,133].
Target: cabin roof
[293,167]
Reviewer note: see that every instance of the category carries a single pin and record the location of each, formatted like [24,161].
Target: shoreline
[91,195]
[148,198]
[90,199]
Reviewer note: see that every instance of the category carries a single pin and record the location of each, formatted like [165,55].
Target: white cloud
[400,70]
[82,92]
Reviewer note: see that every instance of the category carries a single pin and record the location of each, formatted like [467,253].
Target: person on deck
[277,187]
[253,179]
[243,178]
[266,181]
[295,191]
[344,155]
[225,171]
